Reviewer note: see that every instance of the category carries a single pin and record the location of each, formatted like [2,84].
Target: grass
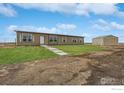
[79,49]
[23,54]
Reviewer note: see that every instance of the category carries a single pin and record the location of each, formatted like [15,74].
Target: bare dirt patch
[108,70]
[57,71]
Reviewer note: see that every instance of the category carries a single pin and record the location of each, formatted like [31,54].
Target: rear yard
[23,54]
[79,49]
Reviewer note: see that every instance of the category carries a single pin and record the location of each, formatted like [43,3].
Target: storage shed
[105,40]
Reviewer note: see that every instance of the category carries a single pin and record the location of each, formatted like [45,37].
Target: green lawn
[79,49]
[23,54]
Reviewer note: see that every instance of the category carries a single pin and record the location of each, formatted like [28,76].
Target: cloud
[69,27]
[57,28]
[77,9]
[107,26]
[7,10]
[31,28]
[12,27]
[72,9]
[103,9]
[120,14]
[61,8]
[86,35]
[117,26]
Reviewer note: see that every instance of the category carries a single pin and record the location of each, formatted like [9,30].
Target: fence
[7,44]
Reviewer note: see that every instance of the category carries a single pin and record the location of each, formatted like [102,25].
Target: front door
[41,40]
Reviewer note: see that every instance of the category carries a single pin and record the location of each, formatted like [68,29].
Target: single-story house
[24,38]
[105,40]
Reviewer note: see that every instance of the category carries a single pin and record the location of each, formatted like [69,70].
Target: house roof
[105,36]
[48,33]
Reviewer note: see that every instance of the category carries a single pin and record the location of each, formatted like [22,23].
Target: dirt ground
[98,68]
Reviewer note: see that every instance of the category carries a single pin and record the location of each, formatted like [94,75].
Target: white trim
[42,41]
[33,38]
[20,37]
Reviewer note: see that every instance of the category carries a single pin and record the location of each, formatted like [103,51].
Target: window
[30,38]
[55,39]
[63,40]
[74,40]
[26,37]
[50,39]
[81,40]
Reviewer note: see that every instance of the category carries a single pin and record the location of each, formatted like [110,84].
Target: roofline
[47,33]
[104,36]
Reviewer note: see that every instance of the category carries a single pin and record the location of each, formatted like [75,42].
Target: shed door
[41,40]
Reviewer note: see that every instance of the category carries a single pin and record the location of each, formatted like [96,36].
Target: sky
[88,20]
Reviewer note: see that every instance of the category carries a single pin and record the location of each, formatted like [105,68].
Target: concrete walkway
[55,50]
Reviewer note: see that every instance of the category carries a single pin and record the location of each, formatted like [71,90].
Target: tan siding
[52,37]
[36,39]
[105,41]
[17,38]
[110,41]
[98,41]
[34,42]
[60,38]
[46,39]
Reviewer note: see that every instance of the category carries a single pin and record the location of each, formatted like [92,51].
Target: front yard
[79,49]
[23,54]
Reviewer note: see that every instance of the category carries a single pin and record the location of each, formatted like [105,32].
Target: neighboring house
[105,40]
[35,38]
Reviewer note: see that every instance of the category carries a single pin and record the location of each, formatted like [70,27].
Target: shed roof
[105,36]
